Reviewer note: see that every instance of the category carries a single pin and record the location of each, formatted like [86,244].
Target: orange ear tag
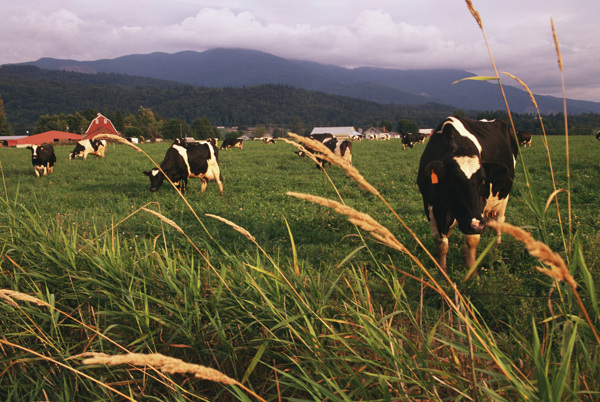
[434,178]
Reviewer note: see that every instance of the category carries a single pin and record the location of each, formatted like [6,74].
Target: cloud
[381,33]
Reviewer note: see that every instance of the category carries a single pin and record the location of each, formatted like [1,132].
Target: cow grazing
[465,176]
[43,159]
[232,143]
[268,140]
[408,140]
[524,138]
[343,149]
[598,135]
[89,147]
[194,160]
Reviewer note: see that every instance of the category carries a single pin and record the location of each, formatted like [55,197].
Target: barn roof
[336,131]
[48,137]
[100,125]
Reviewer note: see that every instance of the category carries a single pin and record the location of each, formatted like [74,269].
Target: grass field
[314,309]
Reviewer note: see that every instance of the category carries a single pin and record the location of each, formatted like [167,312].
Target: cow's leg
[37,173]
[471,242]
[497,212]
[220,183]
[183,184]
[203,186]
[441,234]
[50,168]
[441,245]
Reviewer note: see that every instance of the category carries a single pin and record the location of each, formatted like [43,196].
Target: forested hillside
[30,93]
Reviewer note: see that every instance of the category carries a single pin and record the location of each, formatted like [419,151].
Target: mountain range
[236,68]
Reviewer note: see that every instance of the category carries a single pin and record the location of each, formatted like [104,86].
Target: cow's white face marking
[154,172]
[457,124]
[468,164]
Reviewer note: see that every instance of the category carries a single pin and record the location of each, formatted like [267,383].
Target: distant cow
[524,138]
[598,135]
[89,147]
[268,140]
[43,158]
[343,149]
[355,137]
[465,175]
[408,140]
[232,143]
[194,160]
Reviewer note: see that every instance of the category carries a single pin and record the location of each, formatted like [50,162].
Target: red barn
[100,125]
[49,137]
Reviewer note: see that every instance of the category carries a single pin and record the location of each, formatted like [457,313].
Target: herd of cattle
[43,158]
[465,173]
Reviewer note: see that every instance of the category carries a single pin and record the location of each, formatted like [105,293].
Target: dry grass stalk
[558,269]
[234,226]
[555,37]
[116,138]
[9,295]
[301,148]
[165,220]
[360,219]
[475,13]
[525,87]
[166,364]
[329,156]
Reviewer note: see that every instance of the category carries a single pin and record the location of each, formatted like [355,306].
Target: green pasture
[314,309]
[96,194]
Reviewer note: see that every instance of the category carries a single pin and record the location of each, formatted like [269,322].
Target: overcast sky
[399,34]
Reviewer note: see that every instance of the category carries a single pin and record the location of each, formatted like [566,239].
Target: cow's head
[460,184]
[34,149]
[77,152]
[156,178]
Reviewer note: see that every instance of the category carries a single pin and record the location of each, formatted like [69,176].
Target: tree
[117,121]
[175,128]
[76,123]
[387,125]
[4,126]
[297,126]
[202,129]
[405,126]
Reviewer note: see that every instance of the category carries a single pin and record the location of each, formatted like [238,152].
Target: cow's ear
[147,172]
[435,172]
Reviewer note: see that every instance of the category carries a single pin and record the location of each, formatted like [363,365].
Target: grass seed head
[558,269]
[166,364]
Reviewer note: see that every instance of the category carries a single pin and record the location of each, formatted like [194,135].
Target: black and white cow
[232,143]
[89,147]
[194,160]
[43,158]
[524,138]
[268,140]
[408,140]
[598,135]
[465,175]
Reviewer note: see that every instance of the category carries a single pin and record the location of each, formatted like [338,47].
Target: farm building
[49,137]
[100,125]
[378,133]
[338,132]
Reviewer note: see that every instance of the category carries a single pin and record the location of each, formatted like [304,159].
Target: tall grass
[180,316]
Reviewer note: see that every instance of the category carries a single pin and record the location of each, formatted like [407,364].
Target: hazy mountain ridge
[241,68]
